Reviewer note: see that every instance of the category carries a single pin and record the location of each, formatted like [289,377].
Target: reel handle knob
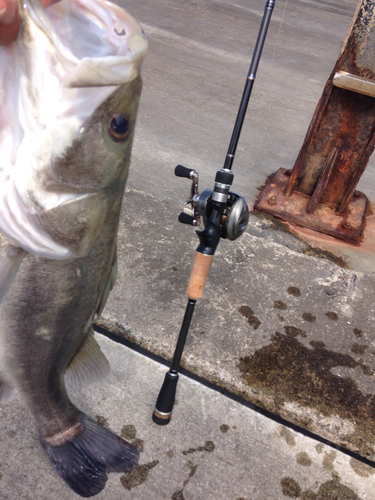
[186,219]
[181,171]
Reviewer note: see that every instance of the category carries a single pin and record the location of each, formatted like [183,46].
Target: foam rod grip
[199,273]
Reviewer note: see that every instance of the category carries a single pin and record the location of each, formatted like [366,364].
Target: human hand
[9,20]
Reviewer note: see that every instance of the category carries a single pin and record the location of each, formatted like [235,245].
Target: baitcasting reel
[236,213]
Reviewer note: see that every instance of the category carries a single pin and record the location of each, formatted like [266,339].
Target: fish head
[69,100]
[101,146]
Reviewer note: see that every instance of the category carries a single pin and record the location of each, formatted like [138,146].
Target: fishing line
[278,35]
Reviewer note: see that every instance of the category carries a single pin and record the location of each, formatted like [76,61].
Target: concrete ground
[213,449]
[282,324]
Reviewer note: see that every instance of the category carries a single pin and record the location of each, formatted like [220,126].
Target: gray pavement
[213,449]
[308,354]
[287,331]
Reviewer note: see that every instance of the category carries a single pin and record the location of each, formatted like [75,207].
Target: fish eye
[118,127]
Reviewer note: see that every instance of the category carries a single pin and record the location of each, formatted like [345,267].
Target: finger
[8,9]
[9,32]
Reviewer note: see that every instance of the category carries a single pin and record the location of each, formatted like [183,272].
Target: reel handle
[186,219]
[181,171]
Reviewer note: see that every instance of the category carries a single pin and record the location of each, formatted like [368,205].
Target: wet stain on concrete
[248,313]
[319,448]
[332,316]
[139,444]
[287,369]
[278,304]
[359,348]
[208,446]
[287,435]
[138,475]
[323,254]
[308,317]
[12,433]
[224,428]
[193,469]
[330,490]
[128,432]
[178,495]
[170,453]
[335,490]
[281,318]
[290,487]
[303,459]
[101,420]
[361,469]
[328,461]
[292,331]
[358,333]
[1,475]
[293,290]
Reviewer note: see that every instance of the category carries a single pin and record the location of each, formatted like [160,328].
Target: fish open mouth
[98,42]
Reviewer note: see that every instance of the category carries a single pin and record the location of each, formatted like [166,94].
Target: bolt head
[272,200]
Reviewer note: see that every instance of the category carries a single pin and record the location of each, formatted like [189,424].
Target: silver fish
[69,93]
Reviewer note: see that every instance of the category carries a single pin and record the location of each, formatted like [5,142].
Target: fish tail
[86,453]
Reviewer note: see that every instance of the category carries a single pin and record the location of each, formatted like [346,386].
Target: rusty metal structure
[320,191]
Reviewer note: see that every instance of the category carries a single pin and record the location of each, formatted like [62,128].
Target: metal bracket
[347,227]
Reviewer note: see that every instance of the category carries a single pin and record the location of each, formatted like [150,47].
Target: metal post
[320,192]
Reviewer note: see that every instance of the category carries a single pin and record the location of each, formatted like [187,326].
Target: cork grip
[198,277]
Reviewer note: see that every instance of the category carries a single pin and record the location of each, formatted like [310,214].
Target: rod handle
[199,273]
[165,402]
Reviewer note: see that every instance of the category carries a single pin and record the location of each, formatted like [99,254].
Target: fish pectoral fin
[84,455]
[6,392]
[88,365]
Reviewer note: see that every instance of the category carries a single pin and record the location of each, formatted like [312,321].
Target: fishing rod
[225,215]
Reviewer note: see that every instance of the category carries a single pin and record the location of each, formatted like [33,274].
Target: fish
[69,94]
